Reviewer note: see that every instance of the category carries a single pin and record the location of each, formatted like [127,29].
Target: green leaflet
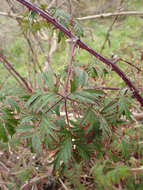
[23,174]
[115,175]
[10,128]
[62,17]
[39,102]
[107,175]
[36,143]
[49,79]
[95,72]
[60,36]
[24,128]
[109,108]
[13,103]
[83,150]
[78,29]
[45,100]
[126,147]
[27,135]
[80,78]
[8,123]
[91,118]
[74,84]
[110,112]
[3,135]
[49,128]
[88,96]
[27,119]
[123,107]
[32,15]
[104,126]
[64,154]
[32,99]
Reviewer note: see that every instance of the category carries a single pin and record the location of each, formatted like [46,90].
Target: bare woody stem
[84,46]
[16,73]
[106,15]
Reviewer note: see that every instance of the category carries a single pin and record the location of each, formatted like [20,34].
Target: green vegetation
[67,120]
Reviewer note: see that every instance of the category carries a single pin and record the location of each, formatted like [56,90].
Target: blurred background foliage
[125,37]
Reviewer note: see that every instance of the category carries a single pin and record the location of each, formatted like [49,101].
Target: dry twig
[106,15]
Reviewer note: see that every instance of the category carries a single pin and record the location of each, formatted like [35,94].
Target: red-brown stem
[74,41]
[129,63]
[66,111]
[54,105]
[70,66]
[16,73]
[84,46]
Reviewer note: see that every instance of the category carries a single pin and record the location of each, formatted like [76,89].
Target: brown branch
[129,63]
[82,45]
[106,15]
[108,34]
[16,73]
[66,111]
[11,15]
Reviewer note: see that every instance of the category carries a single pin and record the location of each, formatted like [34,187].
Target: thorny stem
[16,73]
[84,46]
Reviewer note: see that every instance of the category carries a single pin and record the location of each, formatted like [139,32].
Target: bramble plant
[65,115]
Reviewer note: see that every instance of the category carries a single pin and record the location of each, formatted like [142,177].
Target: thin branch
[74,41]
[138,116]
[70,65]
[66,112]
[11,15]
[107,38]
[34,181]
[82,45]
[12,74]
[129,63]
[106,15]
[51,4]
[62,183]
[108,34]
[16,73]
[102,16]
[54,105]
[137,170]
[106,88]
